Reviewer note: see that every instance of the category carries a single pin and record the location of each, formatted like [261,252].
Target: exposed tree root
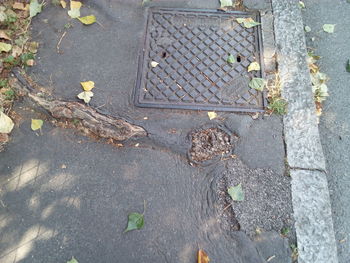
[98,124]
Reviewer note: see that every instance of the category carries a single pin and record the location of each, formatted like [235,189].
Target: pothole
[209,144]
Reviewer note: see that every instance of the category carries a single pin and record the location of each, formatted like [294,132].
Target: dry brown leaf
[16,51]
[3,35]
[63,3]
[202,256]
[20,6]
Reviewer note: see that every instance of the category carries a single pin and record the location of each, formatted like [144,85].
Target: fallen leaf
[329,28]
[34,8]
[63,166]
[6,124]
[3,15]
[5,47]
[30,62]
[253,66]
[37,124]
[236,193]
[88,85]
[231,59]
[202,256]
[212,115]
[301,4]
[74,11]
[33,47]
[225,3]
[86,96]
[145,2]
[87,20]
[63,3]
[135,221]
[19,6]
[257,83]
[154,64]
[3,35]
[73,260]
[248,22]
[348,66]
[307,29]
[137,145]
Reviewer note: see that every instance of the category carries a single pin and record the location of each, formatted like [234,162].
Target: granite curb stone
[312,210]
[310,195]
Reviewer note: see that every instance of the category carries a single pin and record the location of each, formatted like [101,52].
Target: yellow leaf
[30,62]
[212,115]
[74,11]
[87,20]
[154,64]
[5,47]
[88,85]
[202,257]
[86,96]
[63,3]
[3,35]
[6,124]
[75,5]
[253,66]
[36,124]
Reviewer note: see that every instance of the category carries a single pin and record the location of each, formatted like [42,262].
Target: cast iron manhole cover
[192,47]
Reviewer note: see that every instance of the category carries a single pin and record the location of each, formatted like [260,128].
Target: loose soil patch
[209,143]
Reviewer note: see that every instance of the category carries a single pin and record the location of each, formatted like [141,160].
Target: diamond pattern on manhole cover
[192,48]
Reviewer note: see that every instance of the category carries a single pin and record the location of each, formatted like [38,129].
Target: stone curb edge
[310,195]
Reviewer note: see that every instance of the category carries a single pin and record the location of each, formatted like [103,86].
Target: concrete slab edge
[310,195]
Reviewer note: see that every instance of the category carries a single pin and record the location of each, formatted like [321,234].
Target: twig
[226,207]
[270,258]
[144,207]
[100,24]
[59,42]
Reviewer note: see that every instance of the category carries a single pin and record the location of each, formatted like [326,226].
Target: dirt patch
[209,143]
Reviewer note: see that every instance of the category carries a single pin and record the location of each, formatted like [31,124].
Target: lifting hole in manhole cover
[190,49]
[210,145]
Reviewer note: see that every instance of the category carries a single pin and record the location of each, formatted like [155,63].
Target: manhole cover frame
[142,55]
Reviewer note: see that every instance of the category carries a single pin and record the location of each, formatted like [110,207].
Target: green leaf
[135,221]
[329,28]
[87,20]
[36,124]
[285,231]
[301,5]
[34,8]
[225,3]
[5,47]
[6,124]
[3,16]
[348,64]
[236,193]
[257,83]
[307,29]
[73,260]
[231,59]
[248,22]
